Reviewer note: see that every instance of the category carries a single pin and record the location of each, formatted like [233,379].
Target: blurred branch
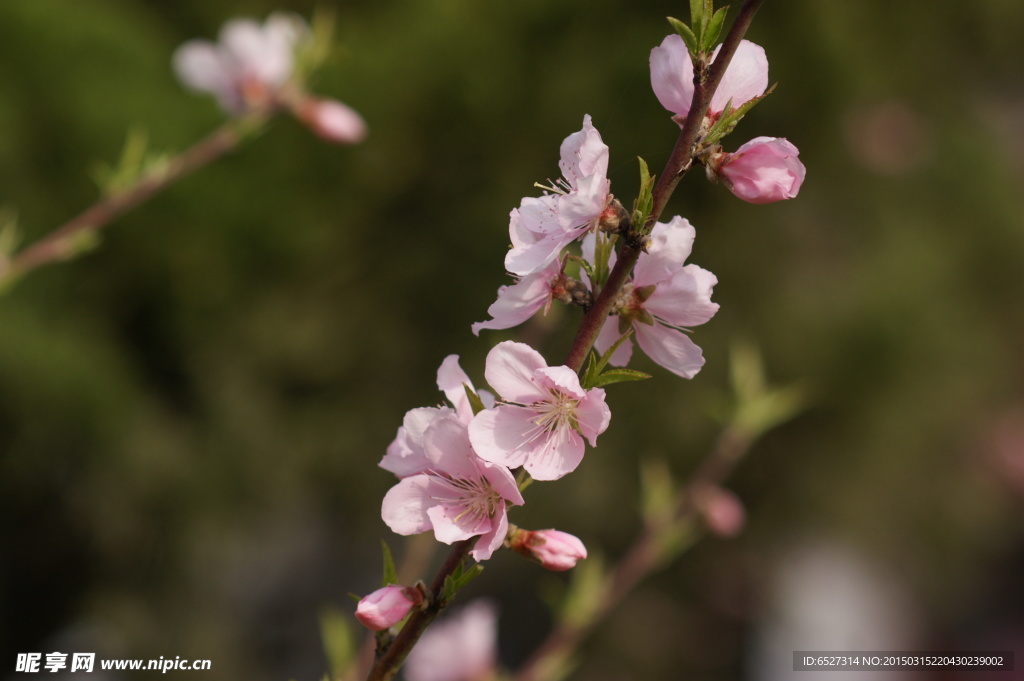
[75,235]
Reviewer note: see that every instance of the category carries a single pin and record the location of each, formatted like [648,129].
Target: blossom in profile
[458,496]
[544,416]
[247,66]
[331,120]
[672,77]
[557,551]
[542,226]
[519,301]
[764,170]
[387,606]
[664,297]
[459,647]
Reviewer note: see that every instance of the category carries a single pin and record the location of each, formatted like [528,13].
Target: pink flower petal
[520,301]
[405,505]
[670,348]
[685,299]
[510,369]
[746,77]
[606,338]
[671,244]
[497,434]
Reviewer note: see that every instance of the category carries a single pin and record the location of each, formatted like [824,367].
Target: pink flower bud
[722,511]
[764,170]
[387,606]
[556,551]
[331,120]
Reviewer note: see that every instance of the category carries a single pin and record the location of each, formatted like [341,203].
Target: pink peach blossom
[460,647]
[458,496]
[672,77]
[544,417]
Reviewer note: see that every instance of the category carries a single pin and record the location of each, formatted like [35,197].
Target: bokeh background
[191,415]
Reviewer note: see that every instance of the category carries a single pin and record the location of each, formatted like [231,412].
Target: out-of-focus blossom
[664,297]
[461,647]
[248,65]
[722,512]
[542,226]
[672,77]
[764,170]
[555,550]
[458,495]
[544,418]
[387,606]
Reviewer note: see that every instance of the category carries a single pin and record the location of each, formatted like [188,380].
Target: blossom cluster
[456,463]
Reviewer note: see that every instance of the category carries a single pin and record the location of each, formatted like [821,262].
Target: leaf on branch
[727,122]
[390,575]
[459,578]
[686,34]
[715,28]
[619,376]
[644,202]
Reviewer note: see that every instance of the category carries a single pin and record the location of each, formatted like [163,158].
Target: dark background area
[191,415]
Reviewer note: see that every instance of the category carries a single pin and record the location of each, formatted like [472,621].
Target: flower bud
[331,120]
[387,606]
[556,551]
[764,170]
[722,512]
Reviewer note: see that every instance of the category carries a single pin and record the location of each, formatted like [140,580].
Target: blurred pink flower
[764,170]
[722,511]
[387,606]
[247,66]
[331,120]
[664,297]
[458,495]
[545,416]
[672,77]
[461,647]
[556,551]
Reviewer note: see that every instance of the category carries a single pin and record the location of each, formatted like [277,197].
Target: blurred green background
[191,415]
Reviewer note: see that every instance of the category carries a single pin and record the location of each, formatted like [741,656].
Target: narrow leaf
[390,574]
[336,635]
[715,28]
[619,376]
[475,403]
[686,34]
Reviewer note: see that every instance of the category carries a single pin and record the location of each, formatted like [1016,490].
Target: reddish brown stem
[60,244]
[678,163]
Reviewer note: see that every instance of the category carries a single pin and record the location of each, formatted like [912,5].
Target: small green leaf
[696,14]
[686,34]
[390,574]
[475,403]
[459,578]
[619,376]
[645,198]
[715,28]
[727,122]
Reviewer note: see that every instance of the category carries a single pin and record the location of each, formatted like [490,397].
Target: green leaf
[459,578]
[686,34]
[475,403]
[645,198]
[727,122]
[336,635]
[715,28]
[390,574]
[696,13]
[619,376]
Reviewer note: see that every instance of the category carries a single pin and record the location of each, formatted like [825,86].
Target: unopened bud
[614,219]
[387,606]
[556,551]
[722,512]
[331,120]
[764,170]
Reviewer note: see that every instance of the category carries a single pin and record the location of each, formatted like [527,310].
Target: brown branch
[678,163]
